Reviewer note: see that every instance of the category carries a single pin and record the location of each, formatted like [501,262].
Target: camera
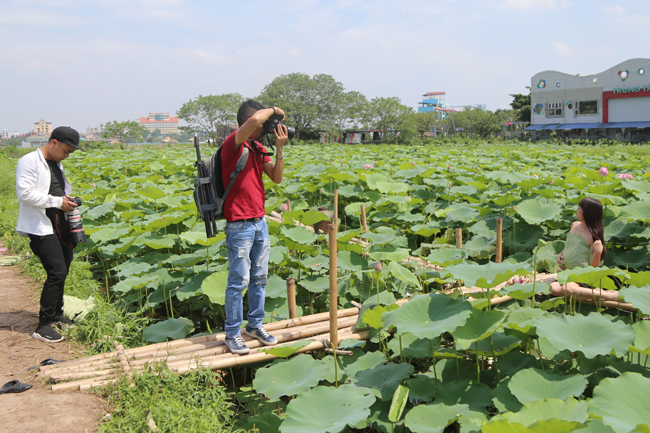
[275,120]
[77,233]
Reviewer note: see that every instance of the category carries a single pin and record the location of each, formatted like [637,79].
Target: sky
[83,63]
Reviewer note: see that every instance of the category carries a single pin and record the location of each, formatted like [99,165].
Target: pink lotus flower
[3,250]
[368,166]
[551,181]
[603,171]
[514,208]
[284,207]
[413,162]
[94,185]
[536,176]
[625,176]
[378,267]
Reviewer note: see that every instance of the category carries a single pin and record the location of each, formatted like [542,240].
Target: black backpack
[209,192]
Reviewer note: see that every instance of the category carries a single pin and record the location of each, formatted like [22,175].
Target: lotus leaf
[476,396]
[345,405]
[433,418]
[552,408]
[530,385]
[488,275]
[403,274]
[480,246]
[595,277]
[369,360]
[638,296]
[299,235]
[622,402]
[389,252]
[636,211]
[523,320]
[192,286]
[461,213]
[428,316]
[214,287]
[200,238]
[151,192]
[525,291]
[409,346]
[171,328]
[157,242]
[447,256]
[592,335]
[481,324]
[503,399]
[289,377]
[538,210]
[397,404]
[642,337]
[384,377]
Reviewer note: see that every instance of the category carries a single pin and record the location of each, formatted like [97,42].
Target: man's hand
[281,137]
[67,204]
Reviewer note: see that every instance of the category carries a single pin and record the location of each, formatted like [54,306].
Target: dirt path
[38,409]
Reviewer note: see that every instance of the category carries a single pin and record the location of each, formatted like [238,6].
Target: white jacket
[33,179]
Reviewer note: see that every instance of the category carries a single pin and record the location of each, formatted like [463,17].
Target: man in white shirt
[44,197]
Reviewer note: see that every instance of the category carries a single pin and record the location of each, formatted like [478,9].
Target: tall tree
[129,131]
[390,116]
[206,114]
[310,103]
[521,104]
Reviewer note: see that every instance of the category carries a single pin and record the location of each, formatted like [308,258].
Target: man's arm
[255,121]
[26,188]
[276,171]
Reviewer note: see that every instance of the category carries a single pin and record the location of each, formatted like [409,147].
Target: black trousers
[56,256]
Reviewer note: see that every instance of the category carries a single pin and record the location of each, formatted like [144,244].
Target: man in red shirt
[247,235]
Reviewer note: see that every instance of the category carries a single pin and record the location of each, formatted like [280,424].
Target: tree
[391,117]
[476,122]
[349,110]
[426,121]
[125,132]
[206,114]
[521,104]
[311,104]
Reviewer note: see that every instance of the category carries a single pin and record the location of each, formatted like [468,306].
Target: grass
[163,401]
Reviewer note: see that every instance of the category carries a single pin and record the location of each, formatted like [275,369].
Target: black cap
[66,135]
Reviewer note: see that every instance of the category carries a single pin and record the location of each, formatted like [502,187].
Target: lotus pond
[439,362]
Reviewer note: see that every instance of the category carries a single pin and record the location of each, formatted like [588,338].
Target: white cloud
[614,10]
[562,48]
[535,4]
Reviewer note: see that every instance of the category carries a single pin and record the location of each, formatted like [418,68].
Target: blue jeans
[248,266]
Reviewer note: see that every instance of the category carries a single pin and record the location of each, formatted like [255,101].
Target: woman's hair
[592,214]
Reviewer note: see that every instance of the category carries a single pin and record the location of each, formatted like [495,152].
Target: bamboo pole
[210,349]
[184,344]
[364,223]
[291,297]
[499,240]
[459,238]
[336,208]
[289,205]
[124,363]
[333,286]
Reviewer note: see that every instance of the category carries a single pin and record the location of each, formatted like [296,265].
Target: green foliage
[211,114]
[127,131]
[162,400]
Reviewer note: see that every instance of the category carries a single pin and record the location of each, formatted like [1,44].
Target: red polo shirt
[246,197]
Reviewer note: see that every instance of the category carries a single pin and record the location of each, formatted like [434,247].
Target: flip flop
[14,386]
[48,361]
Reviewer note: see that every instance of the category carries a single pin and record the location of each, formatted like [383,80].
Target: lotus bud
[378,267]
[603,171]
[284,207]
[522,279]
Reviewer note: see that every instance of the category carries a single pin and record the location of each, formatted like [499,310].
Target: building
[161,121]
[34,141]
[93,133]
[43,128]
[611,104]
[435,102]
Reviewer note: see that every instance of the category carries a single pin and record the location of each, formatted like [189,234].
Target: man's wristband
[273,108]
[279,157]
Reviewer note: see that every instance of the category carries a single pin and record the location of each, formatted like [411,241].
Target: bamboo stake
[364,224]
[291,297]
[459,238]
[499,240]
[289,205]
[333,286]
[336,208]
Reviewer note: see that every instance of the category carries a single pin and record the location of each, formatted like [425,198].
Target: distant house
[611,104]
[357,136]
[43,128]
[161,121]
[34,141]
